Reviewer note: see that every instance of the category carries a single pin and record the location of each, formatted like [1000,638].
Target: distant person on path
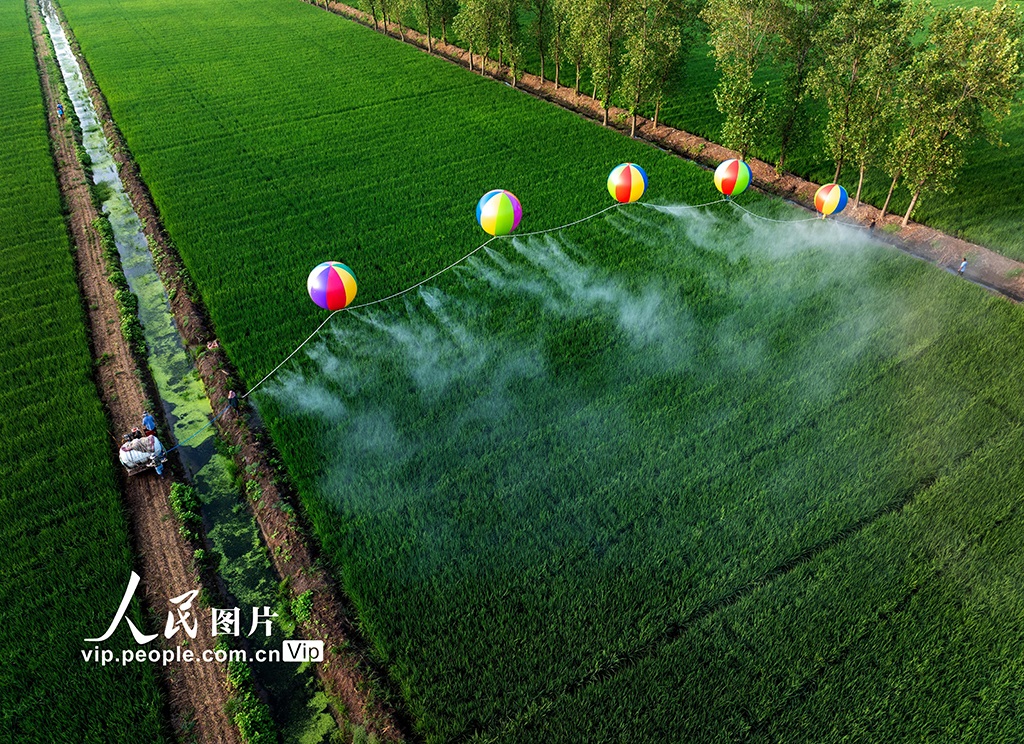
[232,401]
[963,267]
[136,434]
[60,110]
[148,423]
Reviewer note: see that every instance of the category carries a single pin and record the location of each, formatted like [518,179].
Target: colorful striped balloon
[499,212]
[732,177]
[627,182]
[830,199]
[331,285]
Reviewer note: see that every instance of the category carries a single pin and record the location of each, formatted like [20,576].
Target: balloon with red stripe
[627,183]
[732,177]
[830,199]
[332,285]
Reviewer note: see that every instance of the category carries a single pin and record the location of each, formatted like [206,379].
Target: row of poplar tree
[906,87]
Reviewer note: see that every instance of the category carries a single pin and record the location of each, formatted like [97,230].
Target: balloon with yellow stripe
[332,285]
[627,183]
[499,212]
[830,199]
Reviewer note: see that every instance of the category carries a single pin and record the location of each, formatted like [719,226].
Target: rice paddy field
[66,553]
[669,474]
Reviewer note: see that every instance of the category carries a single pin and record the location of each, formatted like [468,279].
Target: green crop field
[666,475]
[66,556]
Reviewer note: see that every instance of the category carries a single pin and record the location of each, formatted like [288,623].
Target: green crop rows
[66,556]
[663,476]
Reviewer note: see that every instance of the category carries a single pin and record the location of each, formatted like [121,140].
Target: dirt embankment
[986,267]
[196,692]
[347,671]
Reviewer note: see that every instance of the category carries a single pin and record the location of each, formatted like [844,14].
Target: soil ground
[196,692]
[985,266]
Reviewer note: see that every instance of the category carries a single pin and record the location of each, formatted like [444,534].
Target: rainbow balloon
[331,285]
[627,183]
[499,212]
[830,199]
[732,177]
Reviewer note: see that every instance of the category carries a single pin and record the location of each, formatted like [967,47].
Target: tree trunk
[471,58]
[913,203]
[577,78]
[430,38]
[542,68]
[501,57]
[401,30]
[860,185]
[594,95]
[657,110]
[513,70]
[636,105]
[839,167]
[444,32]
[888,198]
[558,57]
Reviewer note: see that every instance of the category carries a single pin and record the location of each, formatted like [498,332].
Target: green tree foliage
[376,10]
[795,54]
[957,88]
[540,27]
[601,47]
[741,36]
[509,34]
[475,24]
[866,46]
[691,31]
[571,28]
[426,11]
[655,32]
[446,12]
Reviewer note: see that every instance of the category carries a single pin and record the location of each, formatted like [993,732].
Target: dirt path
[985,267]
[196,692]
[347,670]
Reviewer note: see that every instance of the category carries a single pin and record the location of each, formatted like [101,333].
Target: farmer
[148,423]
[963,267]
[232,401]
[60,110]
[136,434]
